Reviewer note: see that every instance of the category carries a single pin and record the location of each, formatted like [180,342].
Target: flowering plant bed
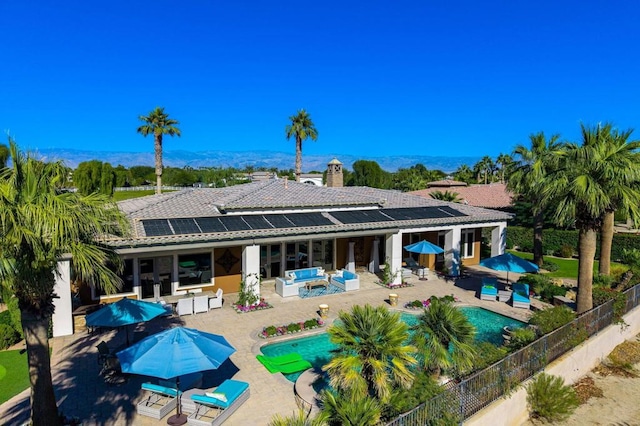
[394,286]
[294,327]
[423,304]
[241,309]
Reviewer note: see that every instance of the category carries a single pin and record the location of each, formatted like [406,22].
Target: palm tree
[158,124]
[40,224]
[582,186]
[450,196]
[484,167]
[301,128]
[4,155]
[345,410]
[621,177]
[532,167]
[372,355]
[463,174]
[505,161]
[444,337]
[299,418]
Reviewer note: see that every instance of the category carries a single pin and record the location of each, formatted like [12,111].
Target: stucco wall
[572,366]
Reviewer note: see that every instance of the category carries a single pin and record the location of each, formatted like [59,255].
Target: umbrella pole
[178,418]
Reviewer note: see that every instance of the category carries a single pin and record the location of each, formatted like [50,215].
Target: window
[468,240]
[194,269]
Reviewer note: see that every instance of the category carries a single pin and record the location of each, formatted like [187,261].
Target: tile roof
[445,183]
[493,196]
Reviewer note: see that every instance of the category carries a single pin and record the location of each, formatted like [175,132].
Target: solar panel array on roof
[360,216]
[156,227]
[182,226]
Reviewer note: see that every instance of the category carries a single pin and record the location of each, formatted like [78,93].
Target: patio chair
[104,353]
[185,306]
[520,296]
[213,409]
[158,402]
[489,290]
[216,302]
[200,304]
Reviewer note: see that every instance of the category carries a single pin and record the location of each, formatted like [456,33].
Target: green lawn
[568,268]
[16,378]
[125,195]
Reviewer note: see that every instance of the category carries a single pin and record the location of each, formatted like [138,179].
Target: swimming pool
[317,349]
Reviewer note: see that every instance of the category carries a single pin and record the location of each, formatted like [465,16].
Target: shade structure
[124,312]
[174,353]
[510,263]
[424,247]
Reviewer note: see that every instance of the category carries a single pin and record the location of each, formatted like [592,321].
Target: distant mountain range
[256,159]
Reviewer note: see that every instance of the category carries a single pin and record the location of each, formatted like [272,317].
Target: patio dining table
[173,300]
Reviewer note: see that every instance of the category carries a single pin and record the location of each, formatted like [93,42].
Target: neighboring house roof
[446,183]
[183,212]
[492,196]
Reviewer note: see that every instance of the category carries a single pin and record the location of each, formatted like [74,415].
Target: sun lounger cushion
[232,389]
[217,395]
[159,389]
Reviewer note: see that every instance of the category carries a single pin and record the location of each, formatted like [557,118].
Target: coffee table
[318,283]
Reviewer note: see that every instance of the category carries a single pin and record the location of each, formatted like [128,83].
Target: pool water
[317,349]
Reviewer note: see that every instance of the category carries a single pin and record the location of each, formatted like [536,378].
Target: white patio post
[351,258]
[498,239]
[251,266]
[452,250]
[63,315]
[394,256]
[374,263]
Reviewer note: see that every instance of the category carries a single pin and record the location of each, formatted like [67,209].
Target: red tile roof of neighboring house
[446,183]
[493,196]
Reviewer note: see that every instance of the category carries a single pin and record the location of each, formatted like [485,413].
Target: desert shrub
[416,304]
[550,266]
[271,330]
[293,327]
[577,334]
[602,281]
[566,251]
[521,337]
[311,323]
[8,336]
[550,399]
[423,388]
[551,319]
[602,295]
[486,354]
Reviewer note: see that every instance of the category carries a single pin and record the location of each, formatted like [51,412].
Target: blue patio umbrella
[424,247]
[510,263]
[174,353]
[124,312]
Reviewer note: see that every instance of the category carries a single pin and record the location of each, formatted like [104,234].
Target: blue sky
[443,78]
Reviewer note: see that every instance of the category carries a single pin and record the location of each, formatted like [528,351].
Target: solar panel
[415,213]
[257,222]
[278,221]
[210,224]
[234,223]
[452,212]
[184,226]
[156,227]
[360,216]
[308,219]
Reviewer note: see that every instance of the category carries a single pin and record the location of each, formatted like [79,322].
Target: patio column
[251,266]
[374,263]
[452,250]
[394,256]
[351,258]
[498,239]
[62,318]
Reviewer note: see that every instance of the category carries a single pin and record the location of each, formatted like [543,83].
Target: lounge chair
[216,302]
[520,296]
[282,366]
[158,402]
[489,290]
[213,409]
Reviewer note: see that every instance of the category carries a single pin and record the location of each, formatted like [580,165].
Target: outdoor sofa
[294,279]
[346,280]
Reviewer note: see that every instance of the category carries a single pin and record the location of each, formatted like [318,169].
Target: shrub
[521,337]
[602,281]
[5,318]
[566,251]
[13,309]
[8,336]
[486,354]
[293,327]
[311,323]
[271,330]
[550,266]
[543,286]
[550,319]
[550,399]
[602,295]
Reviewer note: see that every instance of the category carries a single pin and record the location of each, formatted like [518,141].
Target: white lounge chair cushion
[217,395]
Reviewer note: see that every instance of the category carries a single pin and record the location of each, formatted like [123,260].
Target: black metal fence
[461,400]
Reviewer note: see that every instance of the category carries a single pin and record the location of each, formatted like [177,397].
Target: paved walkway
[82,392]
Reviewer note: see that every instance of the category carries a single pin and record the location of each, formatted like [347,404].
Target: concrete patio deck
[82,392]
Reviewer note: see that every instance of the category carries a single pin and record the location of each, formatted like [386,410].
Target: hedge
[554,239]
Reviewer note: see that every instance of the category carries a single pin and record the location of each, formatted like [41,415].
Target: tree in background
[505,162]
[122,176]
[464,174]
[531,169]
[369,173]
[141,175]
[158,123]
[301,128]
[94,177]
[4,155]
[40,224]
[485,168]
[450,196]
[620,174]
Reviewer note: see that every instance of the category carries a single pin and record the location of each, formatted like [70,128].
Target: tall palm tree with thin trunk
[621,174]
[444,337]
[158,123]
[485,167]
[301,128]
[531,169]
[40,225]
[372,355]
[505,161]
